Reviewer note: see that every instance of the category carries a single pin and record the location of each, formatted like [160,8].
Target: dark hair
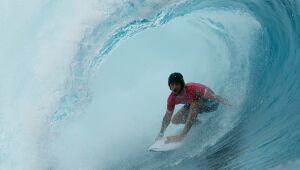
[176,78]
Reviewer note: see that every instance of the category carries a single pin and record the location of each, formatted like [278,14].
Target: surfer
[197,98]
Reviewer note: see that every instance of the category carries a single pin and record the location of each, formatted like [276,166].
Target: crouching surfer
[197,98]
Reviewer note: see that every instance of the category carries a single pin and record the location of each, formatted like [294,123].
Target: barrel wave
[84,83]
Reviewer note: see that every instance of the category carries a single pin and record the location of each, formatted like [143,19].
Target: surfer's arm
[165,123]
[168,115]
[191,117]
[188,124]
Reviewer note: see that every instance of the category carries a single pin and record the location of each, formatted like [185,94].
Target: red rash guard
[191,91]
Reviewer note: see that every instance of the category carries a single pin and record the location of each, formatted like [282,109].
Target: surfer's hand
[159,136]
[225,102]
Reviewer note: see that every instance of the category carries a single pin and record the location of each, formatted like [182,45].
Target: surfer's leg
[210,105]
[181,115]
[196,108]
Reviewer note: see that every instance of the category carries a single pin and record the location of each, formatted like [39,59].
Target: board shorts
[209,106]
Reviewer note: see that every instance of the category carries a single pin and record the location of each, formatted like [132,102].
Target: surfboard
[161,146]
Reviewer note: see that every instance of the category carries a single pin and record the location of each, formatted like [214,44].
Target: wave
[76,77]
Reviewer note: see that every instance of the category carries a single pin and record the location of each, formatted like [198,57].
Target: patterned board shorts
[209,106]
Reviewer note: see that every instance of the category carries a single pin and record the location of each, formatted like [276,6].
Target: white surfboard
[161,146]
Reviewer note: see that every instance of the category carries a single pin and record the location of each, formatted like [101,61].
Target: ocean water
[84,83]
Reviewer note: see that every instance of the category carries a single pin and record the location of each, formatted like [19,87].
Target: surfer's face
[176,88]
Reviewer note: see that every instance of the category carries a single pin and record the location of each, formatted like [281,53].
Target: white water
[129,91]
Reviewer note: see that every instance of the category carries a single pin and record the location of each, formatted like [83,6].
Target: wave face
[77,82]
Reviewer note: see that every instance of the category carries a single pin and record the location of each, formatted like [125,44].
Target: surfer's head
[176,83]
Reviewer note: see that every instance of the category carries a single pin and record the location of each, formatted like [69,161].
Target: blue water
[84,83]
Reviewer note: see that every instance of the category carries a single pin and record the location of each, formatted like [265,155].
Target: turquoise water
[84,83]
